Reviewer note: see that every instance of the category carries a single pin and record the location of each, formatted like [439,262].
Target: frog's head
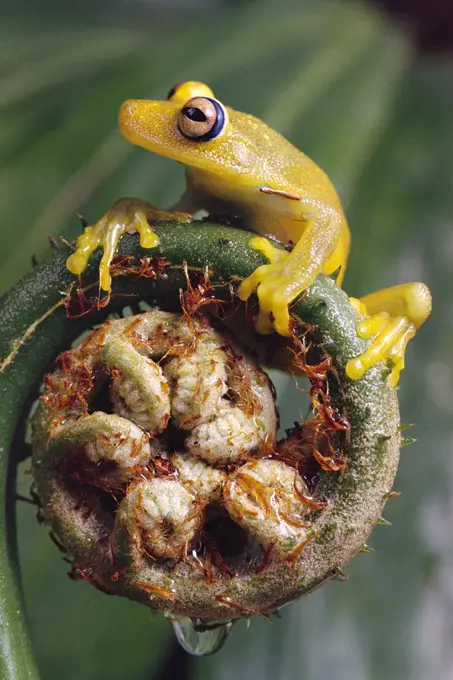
[196,129]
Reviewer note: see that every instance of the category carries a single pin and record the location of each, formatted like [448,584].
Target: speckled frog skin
[237,165]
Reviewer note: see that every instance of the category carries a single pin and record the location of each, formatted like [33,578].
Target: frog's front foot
[128,214]
[403,310]
[276,286]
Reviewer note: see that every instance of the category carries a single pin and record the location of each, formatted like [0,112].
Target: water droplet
[200,639]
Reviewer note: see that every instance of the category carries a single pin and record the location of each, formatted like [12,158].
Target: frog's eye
[202,119]
[189,89]
[173,90]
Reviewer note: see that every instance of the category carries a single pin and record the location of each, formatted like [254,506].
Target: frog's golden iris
[202,119]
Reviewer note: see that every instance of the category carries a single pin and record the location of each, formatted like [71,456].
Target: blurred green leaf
[340,82]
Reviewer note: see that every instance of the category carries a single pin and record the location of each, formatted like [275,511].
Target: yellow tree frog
[236,164]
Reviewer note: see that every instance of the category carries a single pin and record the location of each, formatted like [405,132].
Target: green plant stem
[35,329]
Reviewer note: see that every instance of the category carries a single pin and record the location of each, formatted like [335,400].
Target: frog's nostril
[127,111]
[128,117]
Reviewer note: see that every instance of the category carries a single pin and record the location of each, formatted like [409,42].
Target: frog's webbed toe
[392,317]
[127,215]
[389,339]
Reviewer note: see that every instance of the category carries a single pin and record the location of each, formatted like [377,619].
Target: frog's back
[281,165]
[256,158]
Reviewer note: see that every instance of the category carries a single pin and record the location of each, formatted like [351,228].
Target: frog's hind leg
[392,317]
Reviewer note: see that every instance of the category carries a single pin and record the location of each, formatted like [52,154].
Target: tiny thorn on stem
[365,548]
[391,494]
[383,522]
[339,575]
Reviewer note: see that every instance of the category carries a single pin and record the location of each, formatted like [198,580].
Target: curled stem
[35,328]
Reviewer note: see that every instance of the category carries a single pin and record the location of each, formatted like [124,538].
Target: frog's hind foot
[392,317]
[389,339]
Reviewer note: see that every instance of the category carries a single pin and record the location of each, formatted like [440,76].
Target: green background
[346,87]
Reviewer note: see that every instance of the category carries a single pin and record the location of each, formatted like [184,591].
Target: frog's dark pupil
[192,113]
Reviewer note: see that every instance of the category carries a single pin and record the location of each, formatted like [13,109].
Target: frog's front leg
[271,286]
[392,317]
[288,274]
[127,215]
